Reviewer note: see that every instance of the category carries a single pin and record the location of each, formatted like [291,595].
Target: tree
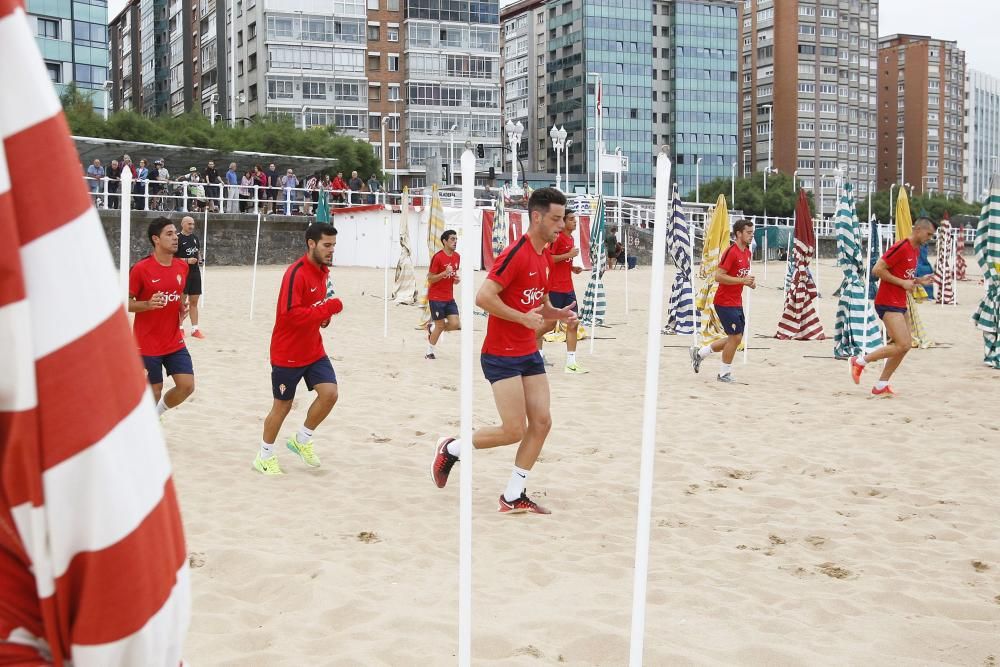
[780,201]
[934,206]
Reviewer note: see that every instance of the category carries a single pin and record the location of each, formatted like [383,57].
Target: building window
[48,28]
[279,89]
[314,90]
[393,5]
[252,31]
[393,34]
[393,63]
[394,93]
[252,62]
[374,93]
[374,63]
[373,33]
[55,72]
[253,93]
[373,5]
[374,121]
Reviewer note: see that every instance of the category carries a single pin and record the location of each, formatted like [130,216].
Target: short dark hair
[317,230]
[448,233]
[156,227]
[924,220]
[740,225]
[542,198]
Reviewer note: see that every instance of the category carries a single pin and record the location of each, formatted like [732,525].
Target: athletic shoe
[197,334]
[575,369]
[856,370]
[268,466]
[885,391]
[695,358]
[429,355]
[521,505]
[442,463]
[304,450]
[728,377]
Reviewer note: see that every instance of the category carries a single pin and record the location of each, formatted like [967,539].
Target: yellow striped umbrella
[904,228]
[715,243]
[435,227]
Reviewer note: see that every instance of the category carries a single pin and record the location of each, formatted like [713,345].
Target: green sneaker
[575,369]
[268,466]
[305,451]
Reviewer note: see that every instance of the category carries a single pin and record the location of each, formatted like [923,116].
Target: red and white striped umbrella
[799,320]
[93,566]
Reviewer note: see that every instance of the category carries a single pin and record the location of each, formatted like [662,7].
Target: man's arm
[311,314]
[573,252]
[488,298]
[155,302]
[881,271]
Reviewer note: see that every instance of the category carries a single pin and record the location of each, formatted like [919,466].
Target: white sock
[454,447]
[881,384]
[725,368]
[304,435]
[194,327]
[860,361]
[570,358]
[515,487]
[161,407]
[705,351]
[266,450]
[430,349]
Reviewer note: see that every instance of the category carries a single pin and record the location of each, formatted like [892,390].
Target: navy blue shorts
[882,310]
[442,309]
[178,362]
[497,368]
[563,299]
[732,318]
[284,379]
[192,287]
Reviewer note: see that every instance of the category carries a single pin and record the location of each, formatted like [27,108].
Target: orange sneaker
[197,334]
[856,370]
[884,391]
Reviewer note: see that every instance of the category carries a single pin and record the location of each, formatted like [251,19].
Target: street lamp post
[910,188]
[770,133]
[902,159]
[697,181]
[732,186]
[514,133]
[569,142]
[304,109]
[558,136]
[107,97]
[795,181]
[892,186]
[451,154]
[212,102]
[598,135]
[746,163]
[384,122]
[395,141]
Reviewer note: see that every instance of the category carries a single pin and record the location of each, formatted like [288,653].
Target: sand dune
[796,520]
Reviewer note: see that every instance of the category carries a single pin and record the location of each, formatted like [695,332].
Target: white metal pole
[125,224]
[691,232]
[650,404]
[764,258]
[204,259]
[624,233]
[467,239]
[569,142]
[232,65]
[746,326]
[385,278]
[253,280]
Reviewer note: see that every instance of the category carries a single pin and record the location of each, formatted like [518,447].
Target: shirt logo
[178,279]
[281,389]
[314,289]
[534,273]
[532,295]
[156,280]
[911,274]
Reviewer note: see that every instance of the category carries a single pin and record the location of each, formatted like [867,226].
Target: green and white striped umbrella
[595,303]
[857,328]
[987,247]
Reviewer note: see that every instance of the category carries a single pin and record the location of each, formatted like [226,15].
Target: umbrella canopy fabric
[680,309]
[857,328]
[960,265]
[323,206]
[500,228]
[714,244]
[405,290]
[874,253]
[944,264]
[987,247]
[435,227]
[904,227]
[595,303]
[799,320]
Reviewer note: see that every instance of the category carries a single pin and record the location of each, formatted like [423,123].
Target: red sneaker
[197,334]
[442,463]
[885,391]
[856,370]
[521,505]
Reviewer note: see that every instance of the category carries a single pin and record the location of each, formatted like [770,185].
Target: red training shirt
[158,331]
[444,289]
[523,275]
[901,258]
[736,263]
[561,279]
[302,307]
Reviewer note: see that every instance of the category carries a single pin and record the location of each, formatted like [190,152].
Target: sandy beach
[796,519]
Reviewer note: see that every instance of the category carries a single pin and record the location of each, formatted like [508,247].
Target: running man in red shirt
[297,350]
[155,294]
[443,276]
[732,274]
[514,295]
[896,271]
[561,292]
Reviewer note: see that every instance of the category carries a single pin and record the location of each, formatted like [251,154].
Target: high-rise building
[921,109]
[982,132]
[126,72]
[523,38]
[808,92]
[72,36]
[695,87]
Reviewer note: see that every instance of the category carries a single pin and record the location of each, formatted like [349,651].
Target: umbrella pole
[204,259]
[596,271]
[625,246]
[385,280]
[764,257]
[746,326]
[253,280]
[695,316]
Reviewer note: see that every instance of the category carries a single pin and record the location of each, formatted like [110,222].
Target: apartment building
[809,92]
[523,49]
[921,101]
[982,133]
[72,37]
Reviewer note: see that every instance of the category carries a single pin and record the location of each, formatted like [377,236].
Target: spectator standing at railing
[288,196]
[260,180]
[246,192]
[374,187]
[355,185]
[232,188]
[212,181]
[114,174]
[273,186]
[95,172]
[158,187]
[312,194]
[127,163]
[140,185]
[339,187]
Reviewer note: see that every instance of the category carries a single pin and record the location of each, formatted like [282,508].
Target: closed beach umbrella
[405,290]
[960,266]
[595,304]
[857,327]
[799,320]
[435,227]
[323,206]
[987,247]
[874,252]
[904,227]
[500,228]
[944,264]
[680,309]
[715,243]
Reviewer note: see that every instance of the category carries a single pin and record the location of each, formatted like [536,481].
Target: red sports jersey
[158,332]
[735,262]
[523,275]
[302,307]
[901,258]
[561,279]
[443,290]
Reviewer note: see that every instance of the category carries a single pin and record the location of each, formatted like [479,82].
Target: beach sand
[796,519]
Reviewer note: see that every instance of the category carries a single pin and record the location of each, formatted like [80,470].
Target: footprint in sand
[691,489]
[775,540]
[196,559]
[979,566]
[835,571]
[368,537]
[527,650]
[380,438]
[816,542]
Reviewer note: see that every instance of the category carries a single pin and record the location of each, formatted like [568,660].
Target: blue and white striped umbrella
[680,309]
[594,304]
[857,328]
[987,247]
